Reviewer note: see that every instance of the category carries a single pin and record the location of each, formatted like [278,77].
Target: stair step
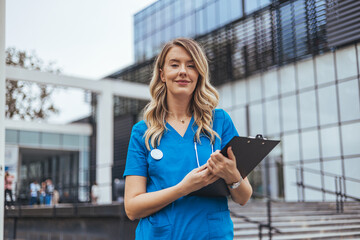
[295,231]
[312,223]
[313,236]
[298,218]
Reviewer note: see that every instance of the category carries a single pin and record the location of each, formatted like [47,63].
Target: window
[179,28]
[346,62]
[29,138]
[50,139]
[240,92]
[159,18]
[226,95]
[212,21]
[200,23]
[190,25]
[351,138]
[224,12]
[327,105]
[199,3]
[291,147]
[312,179]
[287,79]
[325,71]
[11,136]
[239,120]
[235,9]
[334,167]
[305,73]
[270,84]
[272,117]
[71,141]
[310,145]
[255,88]
[289,113]
[352,166]
[168,14]
[330,142]
[188,6]
[256,119]
[349,100]
[178,9]
[251,6]
[308,116]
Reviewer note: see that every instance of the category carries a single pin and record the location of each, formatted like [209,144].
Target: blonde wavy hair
[204,100]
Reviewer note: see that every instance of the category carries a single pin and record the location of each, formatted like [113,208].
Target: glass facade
[318,121]
[165,20]
[64,158]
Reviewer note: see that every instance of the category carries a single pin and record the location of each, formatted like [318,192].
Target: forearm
[148,203]
[242,193]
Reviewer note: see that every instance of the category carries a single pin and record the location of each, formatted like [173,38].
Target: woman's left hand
[224,167]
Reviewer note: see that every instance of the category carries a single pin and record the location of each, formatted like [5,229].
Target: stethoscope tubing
[157,154]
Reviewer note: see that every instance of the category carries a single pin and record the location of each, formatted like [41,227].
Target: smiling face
[179,73]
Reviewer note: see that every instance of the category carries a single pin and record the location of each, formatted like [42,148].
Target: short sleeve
[229,130]
[136,163]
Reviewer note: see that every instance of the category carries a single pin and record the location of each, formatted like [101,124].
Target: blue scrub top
[189,217]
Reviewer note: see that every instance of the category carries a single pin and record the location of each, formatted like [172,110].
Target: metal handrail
[327,174]
[339,187]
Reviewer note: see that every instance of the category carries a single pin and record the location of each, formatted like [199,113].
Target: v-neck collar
[187,132]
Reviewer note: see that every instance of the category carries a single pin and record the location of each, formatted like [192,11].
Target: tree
[26,100]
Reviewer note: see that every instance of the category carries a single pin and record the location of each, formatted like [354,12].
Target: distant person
[94,193]
[42,194]
[49,192]
[175,151]
[34,192]
[9,202]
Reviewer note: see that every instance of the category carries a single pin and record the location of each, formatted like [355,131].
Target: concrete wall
[67,222]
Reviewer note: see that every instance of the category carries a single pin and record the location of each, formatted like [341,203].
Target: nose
[182,70]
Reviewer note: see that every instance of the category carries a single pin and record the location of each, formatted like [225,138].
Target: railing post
[298,183]
[341,195]
[337,195]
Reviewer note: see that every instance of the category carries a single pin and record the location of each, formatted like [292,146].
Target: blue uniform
[189,217]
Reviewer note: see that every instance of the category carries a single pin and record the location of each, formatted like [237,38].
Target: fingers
[230,153]
[201,168]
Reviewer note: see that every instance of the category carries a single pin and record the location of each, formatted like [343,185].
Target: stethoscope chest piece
[156,154]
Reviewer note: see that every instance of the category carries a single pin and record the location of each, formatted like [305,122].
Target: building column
[104,145]
[2,113]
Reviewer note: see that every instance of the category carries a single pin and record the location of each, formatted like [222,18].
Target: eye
[191,66]
[174,65]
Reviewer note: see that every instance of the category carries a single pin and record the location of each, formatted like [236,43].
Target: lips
[182,81]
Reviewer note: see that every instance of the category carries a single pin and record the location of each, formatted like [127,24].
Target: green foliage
[26,100]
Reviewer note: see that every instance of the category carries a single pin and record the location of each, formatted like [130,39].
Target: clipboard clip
[258,136]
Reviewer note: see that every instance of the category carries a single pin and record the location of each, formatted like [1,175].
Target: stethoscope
[157,154]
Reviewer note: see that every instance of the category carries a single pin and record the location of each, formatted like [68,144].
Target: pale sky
[86,38]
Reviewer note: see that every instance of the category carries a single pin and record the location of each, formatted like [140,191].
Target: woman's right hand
[197,179]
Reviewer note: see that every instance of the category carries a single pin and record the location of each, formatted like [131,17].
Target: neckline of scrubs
[188,132]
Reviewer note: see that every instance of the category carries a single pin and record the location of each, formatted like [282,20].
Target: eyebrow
[176,60]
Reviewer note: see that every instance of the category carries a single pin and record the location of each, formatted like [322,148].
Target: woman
[171,154]
[9,201]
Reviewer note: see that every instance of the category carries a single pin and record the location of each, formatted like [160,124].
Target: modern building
[40,151]
[286,69]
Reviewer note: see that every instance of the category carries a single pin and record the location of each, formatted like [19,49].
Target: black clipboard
[249,152]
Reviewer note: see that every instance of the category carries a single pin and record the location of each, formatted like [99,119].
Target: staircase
[293,220]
